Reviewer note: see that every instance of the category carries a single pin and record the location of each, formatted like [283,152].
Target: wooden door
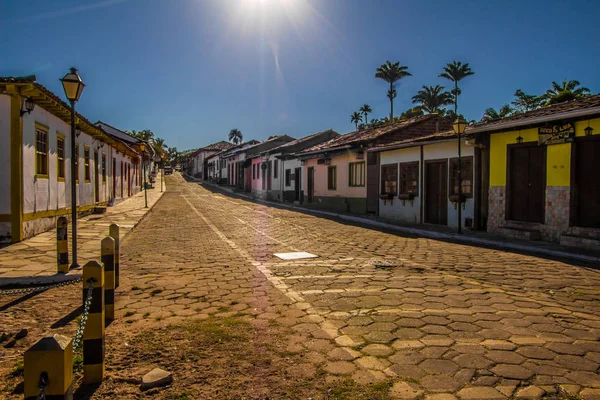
[129,180]
[269,174]
[372,183]
[436,192]
[96,183]
[311,183]
[526,183]
[297,183]
[587,182]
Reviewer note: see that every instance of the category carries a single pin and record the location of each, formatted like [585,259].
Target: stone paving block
[405,390]
[480,393]
[530,392]
[512,371]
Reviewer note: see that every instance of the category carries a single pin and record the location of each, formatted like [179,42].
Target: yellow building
[544,174]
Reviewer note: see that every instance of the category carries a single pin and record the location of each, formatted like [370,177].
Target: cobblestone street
[437,319]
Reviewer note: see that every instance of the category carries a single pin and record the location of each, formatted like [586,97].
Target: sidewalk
[476,238]
[36,256]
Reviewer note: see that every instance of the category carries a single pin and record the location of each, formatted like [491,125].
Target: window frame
[452,176]
[402,190]
[352,173]
[332,179]
[288,177]
[103,160]
[275,169]
[396,179]
[60,161]
[46,131]
[87,173]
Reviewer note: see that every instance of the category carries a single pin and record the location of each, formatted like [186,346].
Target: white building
[199,159]
[35,160]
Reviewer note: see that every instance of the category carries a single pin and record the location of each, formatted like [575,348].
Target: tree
[366,110]
[455,72]
[492,114]
[356,118]
[526,102]
[235,136]
[412,112]
[566,91]
[432,98]
[392,73]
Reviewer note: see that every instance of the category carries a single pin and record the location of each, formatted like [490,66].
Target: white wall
[4,155]
[411,211]
[291,165]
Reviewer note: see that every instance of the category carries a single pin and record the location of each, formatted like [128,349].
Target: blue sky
[191,70]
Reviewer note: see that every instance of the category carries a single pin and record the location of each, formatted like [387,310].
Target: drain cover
[386,264]
[294,256]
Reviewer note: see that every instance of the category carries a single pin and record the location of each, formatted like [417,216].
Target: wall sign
[556,134]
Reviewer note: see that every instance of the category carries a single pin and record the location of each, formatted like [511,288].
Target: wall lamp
[29,106]
[589,130]
[519,140]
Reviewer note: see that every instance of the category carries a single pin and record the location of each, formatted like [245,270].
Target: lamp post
[143,148]
[162,156]
[459,128]
[73,86]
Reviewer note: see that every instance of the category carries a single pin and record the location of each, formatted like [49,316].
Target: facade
[198,166]
[236,157]
[258,168]
[543,180]
[35,155]
[342,175]
[419,180]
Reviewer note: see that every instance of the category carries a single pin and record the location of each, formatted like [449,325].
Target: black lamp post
[459,128]
[73,86]
[143,148]
[162,156]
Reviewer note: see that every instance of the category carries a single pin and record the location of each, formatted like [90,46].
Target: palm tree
[391,73]
[455,72]
[356,118]
[493,115]
[526,102]
[432,98]
[235,136]
[366,110]
[566,91]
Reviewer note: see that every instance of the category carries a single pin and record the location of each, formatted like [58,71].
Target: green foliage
[492,114]
[565,91]
[356,118]
[455,72]
[18,368]
[348,389]
[526,102]
[236,136]
[392,73]
[433,98]
[366,110]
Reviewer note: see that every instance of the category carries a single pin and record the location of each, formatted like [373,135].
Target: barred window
[466,176]
[104,168]
[41,152]
[409,178]
[288,177]
[60,157]
[356,174]
[389,179]
[86,163]
[331,177]
[275,168]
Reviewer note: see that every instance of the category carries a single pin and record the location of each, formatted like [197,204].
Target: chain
[86,310]
[42,386]
[38,288]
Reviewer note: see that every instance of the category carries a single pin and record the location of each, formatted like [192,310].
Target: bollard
[93,332]
[49,368]
[62,245]
[113,231]
[107,251]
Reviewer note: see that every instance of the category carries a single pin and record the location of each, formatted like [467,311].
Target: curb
[419,232]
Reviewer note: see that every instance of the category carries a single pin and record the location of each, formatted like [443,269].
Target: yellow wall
[558,156]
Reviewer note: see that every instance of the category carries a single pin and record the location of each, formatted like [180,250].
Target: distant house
[235,158]
[285,175]
[258,168]
[543,173]
[35,157]
[341,175]
[198,166]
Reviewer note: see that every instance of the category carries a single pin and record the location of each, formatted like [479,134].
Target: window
[356,174]
[275,168]
[389,179]
[104,168]
[466,176]
[409,178]
[331,177]
[86,163]
[41,152]
[76,162]
[258,167]
[288,177]
[60,157]
[253,171]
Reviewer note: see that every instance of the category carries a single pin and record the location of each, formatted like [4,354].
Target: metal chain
[42,386]
[38,288]
[86,309]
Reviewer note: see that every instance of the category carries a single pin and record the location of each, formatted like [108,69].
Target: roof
[269,144]
[111,130]
[219,146]
[367,135]
[567,109]
[241,147]
[298,142]
[28,87]
[434,137]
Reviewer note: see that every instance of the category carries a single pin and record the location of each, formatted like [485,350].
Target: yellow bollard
[62,245]
[50,358]
[108,259]
[93,332]
[113,231]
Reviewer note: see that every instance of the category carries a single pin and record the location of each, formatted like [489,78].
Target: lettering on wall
[556,134]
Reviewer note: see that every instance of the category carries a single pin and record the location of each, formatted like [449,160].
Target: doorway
[96,183]
[297,183]
[587,182]
[114,174]
[372,183]
[311,184]
[269,174]
[526,182]
[436,192]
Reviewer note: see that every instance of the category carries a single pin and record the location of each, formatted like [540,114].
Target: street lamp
[143,148]
[162,156]
[459,128]
[73,86]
